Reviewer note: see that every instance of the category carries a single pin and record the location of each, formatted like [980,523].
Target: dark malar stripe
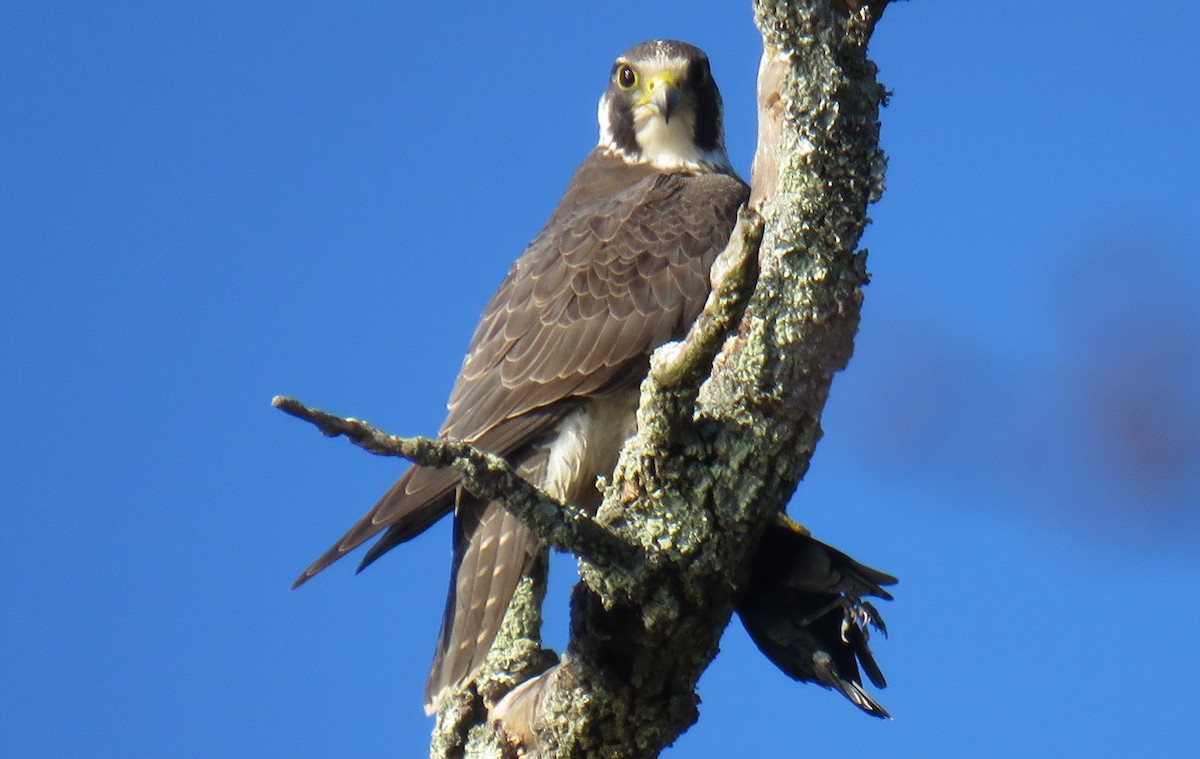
[708,116]
[620,118]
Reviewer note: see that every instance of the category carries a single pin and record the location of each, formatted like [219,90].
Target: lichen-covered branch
[729,419]
[562,526]
[699,482]
[678,369]
[733,276]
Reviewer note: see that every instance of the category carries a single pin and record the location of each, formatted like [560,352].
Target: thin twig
[563,527]
[733,273]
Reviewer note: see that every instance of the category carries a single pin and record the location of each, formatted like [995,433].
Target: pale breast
[586,446]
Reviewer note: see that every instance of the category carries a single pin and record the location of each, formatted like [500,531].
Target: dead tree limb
[722,442]
[695,489]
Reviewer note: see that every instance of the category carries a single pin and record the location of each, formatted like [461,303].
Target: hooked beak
[663,96]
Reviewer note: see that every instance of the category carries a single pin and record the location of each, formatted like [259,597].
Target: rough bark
[721,443]
[696,486]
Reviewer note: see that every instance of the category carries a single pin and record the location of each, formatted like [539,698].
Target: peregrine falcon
[550,380]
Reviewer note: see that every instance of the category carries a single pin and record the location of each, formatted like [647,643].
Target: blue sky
[201,207]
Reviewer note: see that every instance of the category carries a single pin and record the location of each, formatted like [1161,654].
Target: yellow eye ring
[626,77]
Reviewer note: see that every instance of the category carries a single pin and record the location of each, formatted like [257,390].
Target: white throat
[671,146]
[666,146]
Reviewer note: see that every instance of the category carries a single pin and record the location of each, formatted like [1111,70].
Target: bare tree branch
[721,442]
[562,526]
[734,273]
[697,485]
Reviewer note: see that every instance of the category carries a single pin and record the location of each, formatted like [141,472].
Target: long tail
[418,499]
[493,550]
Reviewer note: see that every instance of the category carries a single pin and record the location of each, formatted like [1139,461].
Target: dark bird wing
[621,267]
[803,608]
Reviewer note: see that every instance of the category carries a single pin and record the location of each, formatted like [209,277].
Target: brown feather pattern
[620,267]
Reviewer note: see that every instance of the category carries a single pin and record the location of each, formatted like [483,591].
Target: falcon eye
[699,74]
[626,78]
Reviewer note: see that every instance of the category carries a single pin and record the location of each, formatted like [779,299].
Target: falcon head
[663,108]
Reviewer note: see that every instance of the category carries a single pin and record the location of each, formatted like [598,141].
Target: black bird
[803,608]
